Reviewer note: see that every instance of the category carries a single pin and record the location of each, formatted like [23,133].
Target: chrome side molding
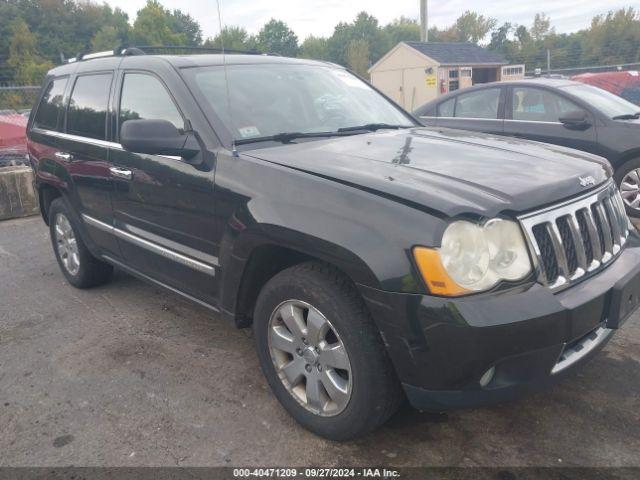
[151,246]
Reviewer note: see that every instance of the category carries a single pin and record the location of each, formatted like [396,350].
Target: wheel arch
[47,193]
[626,156]
[255,260]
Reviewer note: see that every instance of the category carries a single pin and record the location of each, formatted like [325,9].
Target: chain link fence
[18,97]
[620,79]
[568,72]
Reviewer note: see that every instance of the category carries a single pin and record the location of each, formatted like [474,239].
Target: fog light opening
[487,377]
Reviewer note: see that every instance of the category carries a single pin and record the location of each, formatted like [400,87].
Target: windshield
[608,103]
[271,99]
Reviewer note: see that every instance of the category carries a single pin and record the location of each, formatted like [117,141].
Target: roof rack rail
[89,56]
[197,48]
[125,50]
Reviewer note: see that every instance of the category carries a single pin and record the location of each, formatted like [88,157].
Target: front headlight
[474,257]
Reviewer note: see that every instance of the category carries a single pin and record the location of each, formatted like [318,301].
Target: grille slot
[577,237]
[567,241]
[547,256]
[584,235]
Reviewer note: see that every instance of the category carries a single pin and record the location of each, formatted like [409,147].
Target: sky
[318,17]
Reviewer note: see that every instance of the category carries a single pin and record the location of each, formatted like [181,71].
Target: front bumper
[442,347]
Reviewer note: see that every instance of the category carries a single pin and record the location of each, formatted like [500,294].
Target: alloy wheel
[67,244]
[630,189]
[310,358]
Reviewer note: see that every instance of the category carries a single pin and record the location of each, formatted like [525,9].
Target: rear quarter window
[51,106]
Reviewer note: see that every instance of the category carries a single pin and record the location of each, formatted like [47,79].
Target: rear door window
[537,105]
[51,105]
[87,113]
[480,104]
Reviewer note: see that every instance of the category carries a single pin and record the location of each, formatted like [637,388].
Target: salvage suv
[375,259]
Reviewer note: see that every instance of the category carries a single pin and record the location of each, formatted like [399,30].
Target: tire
[627,168]
[373,391]
[80,268]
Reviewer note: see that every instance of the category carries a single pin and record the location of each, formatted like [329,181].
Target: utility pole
[548,62]
[424,21]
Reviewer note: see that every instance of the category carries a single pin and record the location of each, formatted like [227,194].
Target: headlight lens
[475,257]
[507,250]
[465,255]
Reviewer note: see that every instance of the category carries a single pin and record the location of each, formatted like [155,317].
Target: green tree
[89,18]
[276,37]
[29,68]
[613,38]
[541,27]
[108,38]
[155,25]
[501,42]
[185,24]
[364,27]
[358,57]
[402,29]
[232,38]
[316,48]
[437,35]
[472,27]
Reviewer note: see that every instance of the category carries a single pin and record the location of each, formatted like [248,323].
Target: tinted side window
[480,104]
[51,105]
[87,114]
[144,97]
[445,109]
[537,105]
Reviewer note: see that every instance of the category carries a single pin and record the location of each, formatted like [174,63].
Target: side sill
[158,283]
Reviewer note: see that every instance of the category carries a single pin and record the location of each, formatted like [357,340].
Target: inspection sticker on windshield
[248,132]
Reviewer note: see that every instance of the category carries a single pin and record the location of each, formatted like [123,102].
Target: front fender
[366,236]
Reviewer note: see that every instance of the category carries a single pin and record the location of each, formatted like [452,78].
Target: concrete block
[17,197]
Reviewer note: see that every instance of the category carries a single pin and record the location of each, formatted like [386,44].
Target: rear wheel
[628,180]
[321,353]
[80,268]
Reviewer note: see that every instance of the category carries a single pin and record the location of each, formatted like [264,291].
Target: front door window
[538,105]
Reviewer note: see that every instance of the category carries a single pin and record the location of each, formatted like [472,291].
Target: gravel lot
[127,375]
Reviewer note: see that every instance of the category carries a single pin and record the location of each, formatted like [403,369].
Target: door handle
[67,157]
[121,173]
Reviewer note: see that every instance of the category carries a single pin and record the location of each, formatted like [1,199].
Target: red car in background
[624,84]
[13,138]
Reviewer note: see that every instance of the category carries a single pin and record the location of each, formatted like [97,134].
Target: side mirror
[157,137]
[575,119]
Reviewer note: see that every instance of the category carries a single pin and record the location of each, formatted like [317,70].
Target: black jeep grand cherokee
[371,256]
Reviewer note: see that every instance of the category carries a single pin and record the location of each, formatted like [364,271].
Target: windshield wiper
[286,137]
[372,127]
[627,116]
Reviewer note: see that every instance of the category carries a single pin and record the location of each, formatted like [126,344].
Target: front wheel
[627,178]
[321,353]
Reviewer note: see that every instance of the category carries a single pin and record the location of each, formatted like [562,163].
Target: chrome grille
[578,237]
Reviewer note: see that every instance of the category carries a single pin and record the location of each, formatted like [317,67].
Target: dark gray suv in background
[561,112]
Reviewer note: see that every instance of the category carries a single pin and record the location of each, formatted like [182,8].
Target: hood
[634,123]
[448,171]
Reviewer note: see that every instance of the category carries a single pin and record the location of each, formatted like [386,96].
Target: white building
[414,73]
